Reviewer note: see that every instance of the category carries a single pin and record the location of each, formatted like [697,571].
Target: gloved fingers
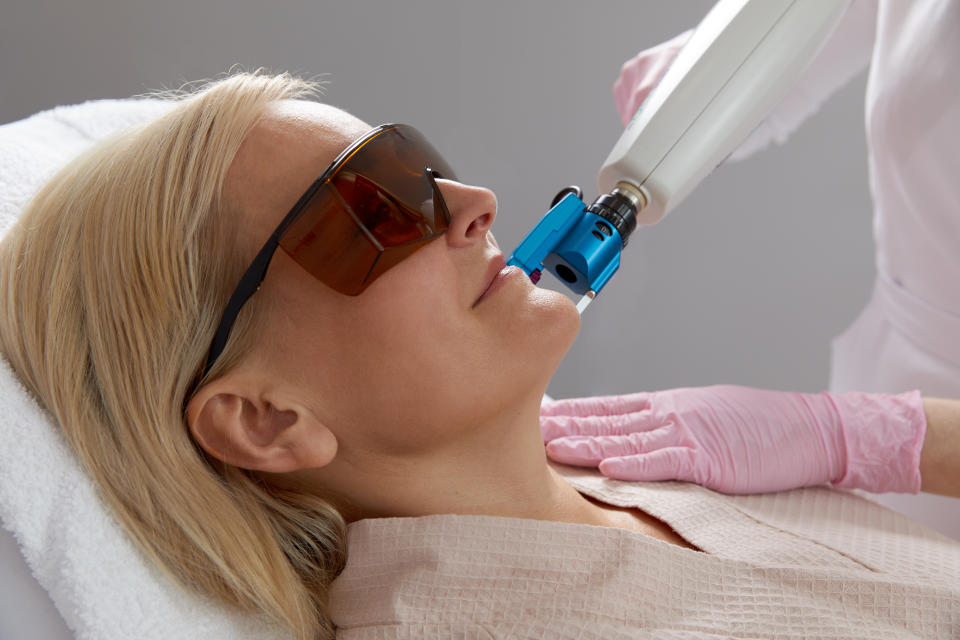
[553,427]
[590,451]
[632,86]
[671,463]
[640,74]
[579,451]
[656,436]
[596,405]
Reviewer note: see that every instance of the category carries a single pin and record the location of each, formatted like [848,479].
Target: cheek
[422,346]
[422,340]
[384,365]
[397,358]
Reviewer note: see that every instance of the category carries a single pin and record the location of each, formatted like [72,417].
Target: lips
[493,270]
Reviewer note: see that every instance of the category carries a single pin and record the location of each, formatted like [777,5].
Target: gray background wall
[745,283]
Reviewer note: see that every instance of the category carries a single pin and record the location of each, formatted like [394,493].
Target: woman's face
[430,348]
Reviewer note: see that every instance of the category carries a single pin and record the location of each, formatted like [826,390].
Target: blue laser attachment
[579,245]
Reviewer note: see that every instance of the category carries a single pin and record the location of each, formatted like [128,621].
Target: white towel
[100,584]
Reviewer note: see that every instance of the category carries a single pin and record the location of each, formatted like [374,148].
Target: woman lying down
[258,321]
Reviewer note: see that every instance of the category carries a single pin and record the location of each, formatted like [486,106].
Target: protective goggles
[376,204]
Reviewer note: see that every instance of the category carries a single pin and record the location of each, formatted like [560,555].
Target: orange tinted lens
[389,220]
[396,162]
[326,241]
[377,209]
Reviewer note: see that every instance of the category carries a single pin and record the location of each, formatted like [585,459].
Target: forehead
[313,123]
[288,148]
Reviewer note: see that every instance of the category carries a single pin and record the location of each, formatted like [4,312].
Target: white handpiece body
[738,65]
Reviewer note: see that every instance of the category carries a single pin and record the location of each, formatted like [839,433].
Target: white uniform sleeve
[842,58]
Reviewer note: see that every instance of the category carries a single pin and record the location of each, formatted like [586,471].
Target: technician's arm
[940,456]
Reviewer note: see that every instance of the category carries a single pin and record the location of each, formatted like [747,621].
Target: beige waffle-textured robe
[807,563]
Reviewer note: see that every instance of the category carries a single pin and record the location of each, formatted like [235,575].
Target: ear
[238,422]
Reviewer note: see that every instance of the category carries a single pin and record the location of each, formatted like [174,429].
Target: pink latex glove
[742,440]
[640,75]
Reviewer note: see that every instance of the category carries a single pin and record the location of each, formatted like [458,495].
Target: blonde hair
[112,283]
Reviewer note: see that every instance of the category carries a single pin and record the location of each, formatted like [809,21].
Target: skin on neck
[501,470]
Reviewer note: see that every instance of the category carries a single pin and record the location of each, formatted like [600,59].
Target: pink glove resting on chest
[742,440]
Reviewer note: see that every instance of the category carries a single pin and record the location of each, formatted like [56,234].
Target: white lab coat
[908,336]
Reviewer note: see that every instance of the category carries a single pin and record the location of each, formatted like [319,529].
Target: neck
[501,471]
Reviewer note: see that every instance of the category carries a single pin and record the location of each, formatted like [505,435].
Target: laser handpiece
[581,245]
[738,65]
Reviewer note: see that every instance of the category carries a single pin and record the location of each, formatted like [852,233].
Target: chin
[557,325]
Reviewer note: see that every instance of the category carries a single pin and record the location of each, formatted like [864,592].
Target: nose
[472,211]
